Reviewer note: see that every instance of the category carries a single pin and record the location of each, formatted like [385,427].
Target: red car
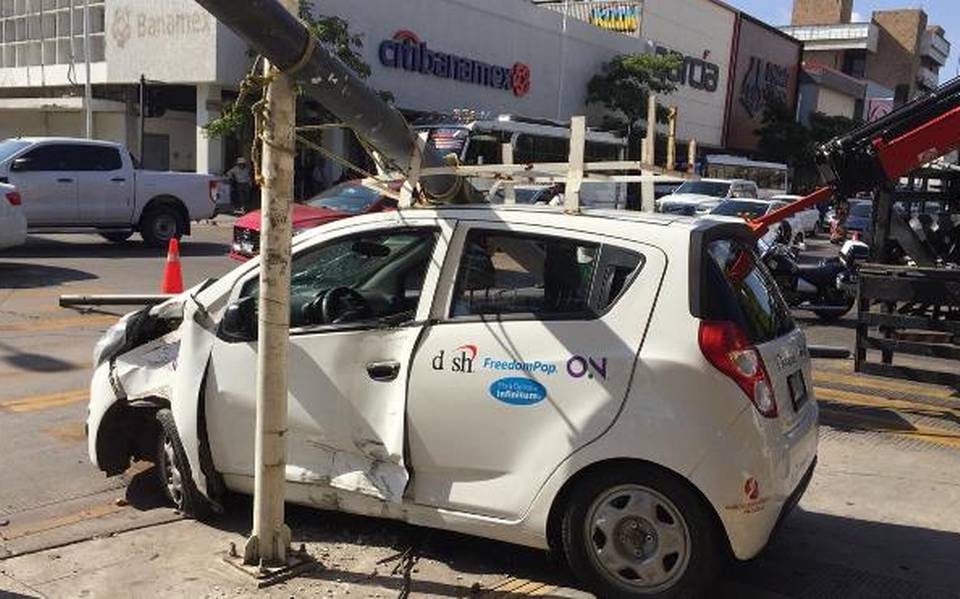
[340,201]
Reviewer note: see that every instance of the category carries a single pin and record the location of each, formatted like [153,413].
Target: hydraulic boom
[877,154]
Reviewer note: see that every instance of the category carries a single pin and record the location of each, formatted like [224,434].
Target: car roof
[727,181]
[70,140]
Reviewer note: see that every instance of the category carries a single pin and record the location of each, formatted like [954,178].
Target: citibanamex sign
[405,51]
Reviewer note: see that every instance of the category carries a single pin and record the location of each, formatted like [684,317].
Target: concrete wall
[496,32]
[699,29]
[821,12]
[897,58]
[834,103]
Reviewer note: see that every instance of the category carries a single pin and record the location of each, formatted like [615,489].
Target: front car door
[105,190]
[359,299]
[47,181]
[536,335]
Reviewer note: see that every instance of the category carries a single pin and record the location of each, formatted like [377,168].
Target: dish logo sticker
[518,391]
[461,360]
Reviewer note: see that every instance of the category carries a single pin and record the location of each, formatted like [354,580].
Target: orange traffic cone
[172,276]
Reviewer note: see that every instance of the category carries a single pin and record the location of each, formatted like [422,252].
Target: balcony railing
[620,16]
[935,47]
[845,36]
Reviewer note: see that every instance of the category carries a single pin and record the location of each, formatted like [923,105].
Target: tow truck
[909,295]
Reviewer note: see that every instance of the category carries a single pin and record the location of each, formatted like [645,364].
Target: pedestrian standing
[241,182]
[319,177]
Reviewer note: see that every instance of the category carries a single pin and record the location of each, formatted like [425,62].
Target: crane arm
[883,151]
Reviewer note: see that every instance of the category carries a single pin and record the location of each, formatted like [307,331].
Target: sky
[945,13]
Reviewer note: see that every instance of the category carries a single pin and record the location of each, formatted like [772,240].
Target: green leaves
[783,139]
[624,85]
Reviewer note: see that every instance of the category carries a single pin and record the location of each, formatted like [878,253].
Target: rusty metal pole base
[298,562]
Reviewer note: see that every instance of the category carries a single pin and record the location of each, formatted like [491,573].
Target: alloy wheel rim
[637,538]
[165,227]
[171,475]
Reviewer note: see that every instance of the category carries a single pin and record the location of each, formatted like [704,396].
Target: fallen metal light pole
[271,30]
[75,301]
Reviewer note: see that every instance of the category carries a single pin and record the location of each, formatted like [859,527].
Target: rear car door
[534,339]
[47,180]
[347,374]
[105,187]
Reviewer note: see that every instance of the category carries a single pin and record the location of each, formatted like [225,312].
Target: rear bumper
[756,450]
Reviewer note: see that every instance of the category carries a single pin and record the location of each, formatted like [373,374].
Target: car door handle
[383,371]
[64,180]
[118,180]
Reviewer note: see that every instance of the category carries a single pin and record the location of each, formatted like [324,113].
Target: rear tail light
[14,198]
[213,190]
[728,349]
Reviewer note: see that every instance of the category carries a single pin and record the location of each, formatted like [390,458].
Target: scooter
[828,289]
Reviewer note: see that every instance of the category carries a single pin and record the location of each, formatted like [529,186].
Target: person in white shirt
[241,182]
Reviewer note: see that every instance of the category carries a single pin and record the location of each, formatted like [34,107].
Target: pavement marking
[512,586]
[31,528]
[874,401]
[52,324]
[858,380]
[44,402]
[839,417]
[69,432]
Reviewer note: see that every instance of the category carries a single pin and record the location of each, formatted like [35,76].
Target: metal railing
[621,16]
[863,36]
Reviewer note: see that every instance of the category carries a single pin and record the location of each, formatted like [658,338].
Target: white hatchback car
[627,389]
[13,224]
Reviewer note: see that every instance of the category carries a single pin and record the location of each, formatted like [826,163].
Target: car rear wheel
[638,532]
[160,225]
[173,468]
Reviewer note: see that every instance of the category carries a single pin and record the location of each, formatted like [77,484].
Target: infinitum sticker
[518,391]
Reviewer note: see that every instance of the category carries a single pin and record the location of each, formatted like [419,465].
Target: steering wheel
[343,304]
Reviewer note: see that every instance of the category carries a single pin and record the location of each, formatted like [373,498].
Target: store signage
[620,16]
[694,72]
[764,83]
[128,24]
[405,51]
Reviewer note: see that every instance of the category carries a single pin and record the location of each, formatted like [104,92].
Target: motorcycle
[828,289]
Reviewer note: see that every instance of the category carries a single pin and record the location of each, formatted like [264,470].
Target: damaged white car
[629,390]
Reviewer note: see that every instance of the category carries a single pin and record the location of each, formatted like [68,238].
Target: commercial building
[830,92]
[898,53]
[433,56]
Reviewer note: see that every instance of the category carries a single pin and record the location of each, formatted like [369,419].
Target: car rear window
[740,289]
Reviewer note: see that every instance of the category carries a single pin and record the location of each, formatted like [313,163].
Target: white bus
[772,178]
[480,141]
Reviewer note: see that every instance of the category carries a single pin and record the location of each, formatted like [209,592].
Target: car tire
[161,224]
[117,237]
[174,471]
[661,529]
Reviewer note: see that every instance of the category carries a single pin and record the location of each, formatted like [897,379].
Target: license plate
[798,389]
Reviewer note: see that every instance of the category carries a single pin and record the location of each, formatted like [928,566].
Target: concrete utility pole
[269,542]
[87,89]
[672,140]
[651,130]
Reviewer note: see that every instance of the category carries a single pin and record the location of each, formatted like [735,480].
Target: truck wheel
[118,237]
[637,532]
[160,225]
[173,469]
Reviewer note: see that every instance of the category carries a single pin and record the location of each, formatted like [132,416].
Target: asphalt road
[882,517]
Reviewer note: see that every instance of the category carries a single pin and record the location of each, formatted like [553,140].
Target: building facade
[491,57]
[897,52]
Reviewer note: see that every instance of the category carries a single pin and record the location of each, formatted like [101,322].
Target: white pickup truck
[80,186]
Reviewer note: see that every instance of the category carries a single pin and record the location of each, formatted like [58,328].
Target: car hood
[688,198]
[303,216]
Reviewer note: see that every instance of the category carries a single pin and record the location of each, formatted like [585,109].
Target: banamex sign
[407,52]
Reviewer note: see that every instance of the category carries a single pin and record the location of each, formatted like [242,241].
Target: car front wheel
[641,533]
[174,472]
